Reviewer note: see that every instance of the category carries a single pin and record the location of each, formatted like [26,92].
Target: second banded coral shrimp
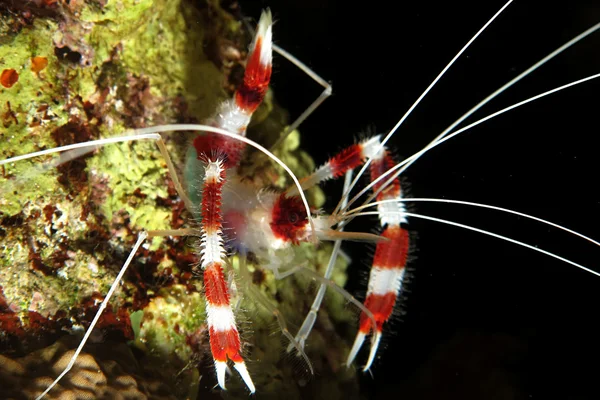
[404,335]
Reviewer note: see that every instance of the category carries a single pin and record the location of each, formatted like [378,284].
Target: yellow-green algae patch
[170,317]
[159,42]
[124,166]
[163,41]
[20,105]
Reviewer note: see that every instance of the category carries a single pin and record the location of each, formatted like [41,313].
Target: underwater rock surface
[107,371]
[77,71]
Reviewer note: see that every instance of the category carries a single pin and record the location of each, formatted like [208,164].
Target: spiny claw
[374,346]
[223,334]
[221,367]
[251,92]
[358,342]
[263,41]
[243,371]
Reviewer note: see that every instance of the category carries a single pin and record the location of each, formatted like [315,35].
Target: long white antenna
[152,133]
[141,238]
[470,203]
[416,103]
[395,171]
[509,84]
[492,234]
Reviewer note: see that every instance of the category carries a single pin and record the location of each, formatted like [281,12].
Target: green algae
[172,315]
[136,318]
[148,38]
[20,104]
[124,164]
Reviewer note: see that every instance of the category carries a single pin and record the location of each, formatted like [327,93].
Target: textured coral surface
[108,371]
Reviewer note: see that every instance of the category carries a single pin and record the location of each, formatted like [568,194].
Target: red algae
[38,63]
[9,77]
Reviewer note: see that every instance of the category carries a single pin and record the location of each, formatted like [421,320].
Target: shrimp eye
[292,217]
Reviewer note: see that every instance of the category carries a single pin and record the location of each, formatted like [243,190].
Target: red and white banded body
[264,222]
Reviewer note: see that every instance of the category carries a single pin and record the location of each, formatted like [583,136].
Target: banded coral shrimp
[562,266]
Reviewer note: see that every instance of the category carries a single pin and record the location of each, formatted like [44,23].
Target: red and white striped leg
[385,282]
[234,114]
[387,272]
[224,336]
[347,159]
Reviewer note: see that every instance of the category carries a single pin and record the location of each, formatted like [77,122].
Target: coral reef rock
[102,371]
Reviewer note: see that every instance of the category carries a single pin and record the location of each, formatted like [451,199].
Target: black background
[483,319]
